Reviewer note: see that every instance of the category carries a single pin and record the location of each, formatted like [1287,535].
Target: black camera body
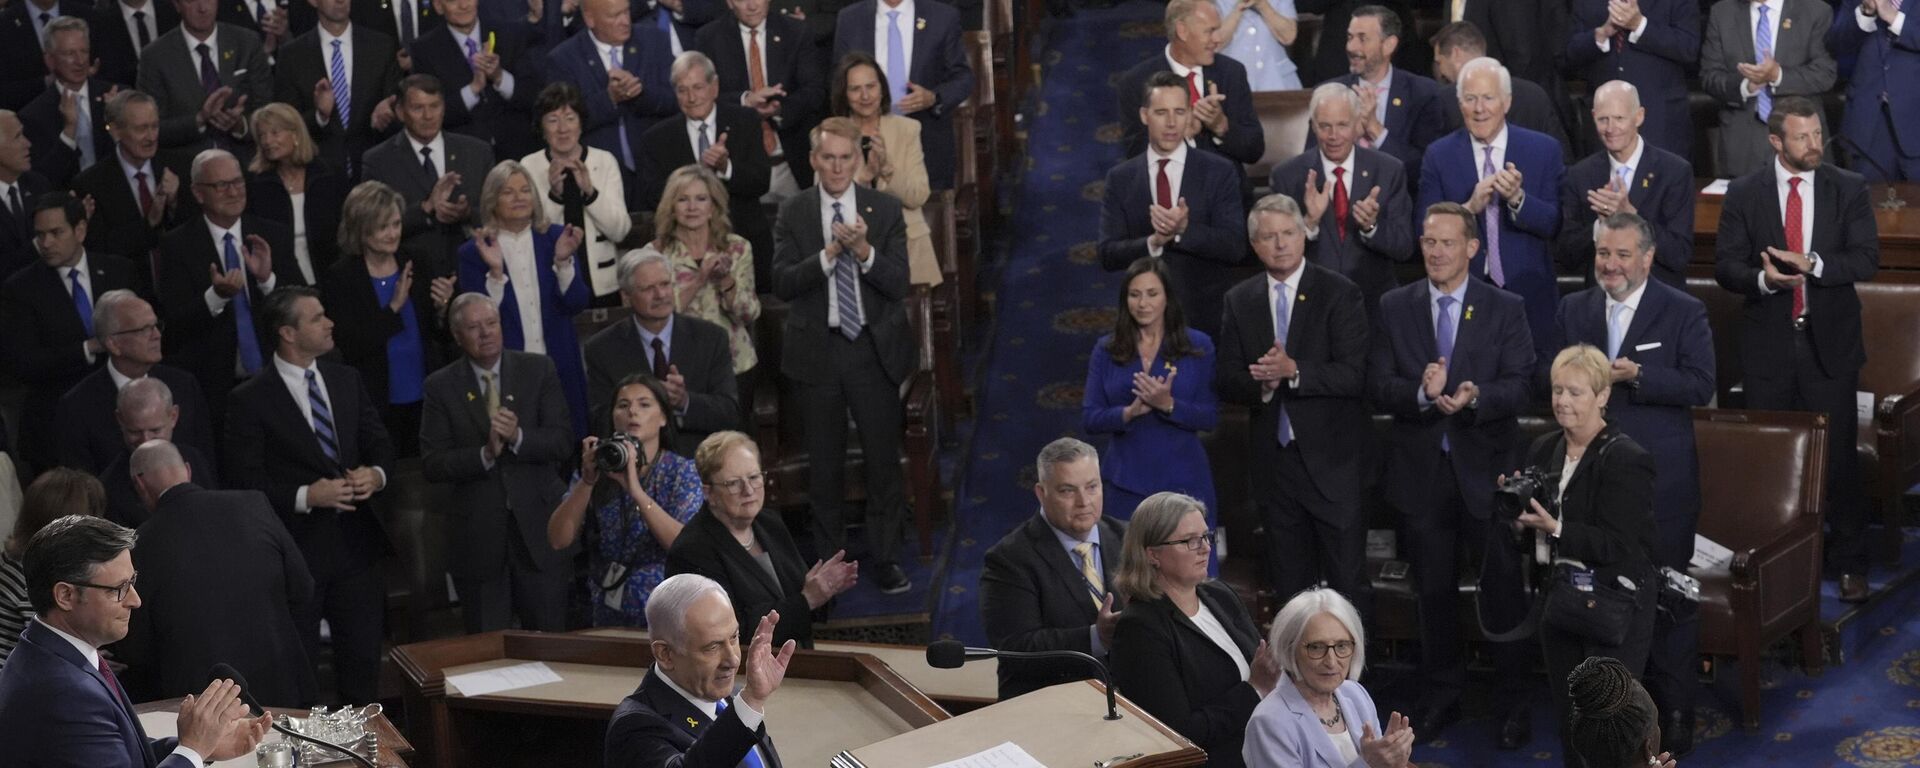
[1529,484]
[612,454]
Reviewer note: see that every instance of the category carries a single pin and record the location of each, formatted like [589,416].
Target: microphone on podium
[950,654]
[225,671]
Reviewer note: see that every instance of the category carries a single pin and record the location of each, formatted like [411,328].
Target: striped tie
[846,287]
[342,90]
[1762,50]
[322,419]
[752,760]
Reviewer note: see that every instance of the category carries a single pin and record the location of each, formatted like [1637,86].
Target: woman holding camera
[1600,545]
[630,514]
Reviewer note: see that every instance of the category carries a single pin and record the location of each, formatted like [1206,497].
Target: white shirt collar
[120,380]
[460,39]
[130,169]
[707,707]
[665,335]
[880,10]
[1292,281]
[1067,540]
[91,653]
[1781,174]
[213,46]
[439,145]
[1633,299]
[1182,69]
[762,29]
[293,372]
[81,265]
[219,238]
[713,128]
[1499,142]
[480,373]
[1633,160]
[1459,294]
[327,38]
[1327,166]
[1178,155]
[845,199]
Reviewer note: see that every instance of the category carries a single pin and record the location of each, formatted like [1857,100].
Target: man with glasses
[495,428]
[59,701]
[129,333]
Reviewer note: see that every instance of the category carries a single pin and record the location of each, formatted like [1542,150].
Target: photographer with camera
[1584,508]
[630,499]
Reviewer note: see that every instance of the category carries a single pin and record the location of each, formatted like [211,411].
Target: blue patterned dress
[1253,44]
[615,532]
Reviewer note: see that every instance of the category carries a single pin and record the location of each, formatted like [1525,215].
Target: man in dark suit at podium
[1045,584]
[685,714]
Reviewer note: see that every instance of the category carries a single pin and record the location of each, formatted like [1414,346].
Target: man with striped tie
[304,432]
[840,261]
[340,77]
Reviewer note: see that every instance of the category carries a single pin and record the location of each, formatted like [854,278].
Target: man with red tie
[1219,102]
[1794,238]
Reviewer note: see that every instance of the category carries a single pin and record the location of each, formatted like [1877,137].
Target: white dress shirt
[907,23]
[1200,74]
[295,379]
[133,25]
[6,199]
[606,51]
[1780,188]
[326,61]
[849,210]
[92,656]
[193,55]
[439,145]
[712,123]
[516,251]
[1773,33]
[1327,176]
[1870,24]
[1628,307]
[1176,168]
[215,302]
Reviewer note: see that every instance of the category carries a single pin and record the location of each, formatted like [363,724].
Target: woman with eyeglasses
[1319,716]
[747,547]
[56,493]
[1185,649]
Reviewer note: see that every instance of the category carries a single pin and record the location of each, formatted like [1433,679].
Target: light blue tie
[245,336]
[896,61]
[704,142]
[1282,317]
[752,760]
[626,147]
[1490,221]
[80,302]
[83,130]
[1443,338]
[846,287]
[1616,331]
[342,90]
[1626,177]
[1762,48]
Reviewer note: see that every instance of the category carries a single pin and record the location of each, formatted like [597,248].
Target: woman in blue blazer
[1150,387]
[1319,716]
[515,249]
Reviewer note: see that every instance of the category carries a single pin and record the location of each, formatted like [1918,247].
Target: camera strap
[1531,623]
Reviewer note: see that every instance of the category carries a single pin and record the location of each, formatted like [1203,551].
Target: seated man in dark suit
[1358,217]
[1176,203]
[1045,585]
[688,354]
[1407,112]
[304,432]
[135,199]
[19,183]
[615,74]
[438,173]
[1628,175]
[68,122]
[1460,42]
[225,579]
[121,28]
[502,452]
[346,114]
[768,64]
[60,704]
[1220,117]
[929,76]
[145,410]
[685,713]
[722,136]
[129,333]
[493,72]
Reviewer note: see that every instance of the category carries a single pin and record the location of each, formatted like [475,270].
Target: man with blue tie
[625,83]
[1452,364]
[1650,43]
[1758,51]
[1662,351]
[917,43]
[60,703]
[1883,95]
[1627,175]
[1509,178]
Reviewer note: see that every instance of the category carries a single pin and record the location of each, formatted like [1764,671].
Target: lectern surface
[1062,725]
[976,684]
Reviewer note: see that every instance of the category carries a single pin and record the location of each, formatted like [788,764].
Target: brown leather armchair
[1890,442]
[946,300]
[1761,482]
[1283,116]
[1723,316]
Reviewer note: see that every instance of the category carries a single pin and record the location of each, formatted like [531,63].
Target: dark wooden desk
[394,747]
[1899,233]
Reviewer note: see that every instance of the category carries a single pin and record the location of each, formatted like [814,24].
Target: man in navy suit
[1220,112]
[788,91]
[19,184]
[1460,42]
[1358,217]
[1627,175]
[617,76]
[1509,177]
[1652,47]
[491,74]
[60,704]
[348,114]
[1405,112]
[91,435]
[1307,391]
[68,122]
[1662,351]
[1452,364]
[927,69]
[135,197]
[1800,337]
[1883,95]
[1176,203]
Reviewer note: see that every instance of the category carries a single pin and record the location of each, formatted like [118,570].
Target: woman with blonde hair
[712,266]
[288,185]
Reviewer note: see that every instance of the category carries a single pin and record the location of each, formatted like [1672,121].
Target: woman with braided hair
[1613,723]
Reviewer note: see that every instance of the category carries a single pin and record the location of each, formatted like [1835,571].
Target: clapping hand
[487,242]
[622,86]
[403,290]
[1482,196]
[447,204]
[1463,396]
[1770,266]
[716,155]
[259,258]
[1624,15]
[382,114]
[364,481]
[1366,210]
[569,243]
[1168,223]
[852,238]
[1315,197]
[1507,182]
[1433,379]
[1274,367]
[323,104]
[1265,673]
[676,386]
[1210,112]
[1610,199]
[1390,750]
[501,431]
[442,292]
[1107,620]
[1155,391]
[830,577]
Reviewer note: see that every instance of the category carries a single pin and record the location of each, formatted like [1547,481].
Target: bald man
[145,410]
[1627,175]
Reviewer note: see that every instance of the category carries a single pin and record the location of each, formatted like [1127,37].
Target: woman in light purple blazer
[1319,716]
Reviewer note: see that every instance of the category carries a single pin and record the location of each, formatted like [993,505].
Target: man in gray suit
[840,262]
[1755,53]
[496,429]
[206,77]
[690,355]
[438,173]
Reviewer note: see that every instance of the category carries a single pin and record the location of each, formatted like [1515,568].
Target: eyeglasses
[1318,651]
[1197,543]
[119,591]
[153,327]
[739,485]
[230,185]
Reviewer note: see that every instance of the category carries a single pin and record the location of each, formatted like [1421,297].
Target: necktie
[146,192]
[1340,202]
[322,418]
[80,302]
[705,143]
[83,129]
[1443,338]
[113,683]
[757,79]
[1793,241]
[846,287]
[1491,223]
[1193,87]
[209,74]
[752,760]
[1090,569]
[245,338]
[1763,48]
[140,28]
[493,393]
[260,12]
[19,207]
[626,147]
[426,163]
[342,90]
[666,28]
[659,359]
[1162,186]
[1457,10]
[1282,321]
[406,22]
[1625,175]
[896,61]
[473,49]
[1616,330]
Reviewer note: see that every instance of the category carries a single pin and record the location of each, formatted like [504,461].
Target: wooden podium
[1062,725]
[160,719]
[829,700]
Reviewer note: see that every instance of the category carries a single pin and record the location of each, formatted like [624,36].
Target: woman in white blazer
[580,185]
[1319,716]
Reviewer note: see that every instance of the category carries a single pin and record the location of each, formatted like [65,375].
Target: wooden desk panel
[1899,232]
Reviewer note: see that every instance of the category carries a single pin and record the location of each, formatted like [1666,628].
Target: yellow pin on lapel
[1646,183]
[1396,101]
[1299,298]
[692,723]
[226,55]
[469,397]
[919,23]
[776,38]
[1786,23]
[1469,312]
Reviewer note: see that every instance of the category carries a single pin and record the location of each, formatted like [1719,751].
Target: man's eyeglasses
[153,327]
[1318,651]
[739,485]
[1197,543]
[119,591]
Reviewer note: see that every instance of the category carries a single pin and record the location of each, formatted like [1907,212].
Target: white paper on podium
[1006,755]
[1717,188]
[517,676]
[1708,553]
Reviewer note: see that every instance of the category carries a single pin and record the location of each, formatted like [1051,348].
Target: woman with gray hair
[525,264]
[1320,716]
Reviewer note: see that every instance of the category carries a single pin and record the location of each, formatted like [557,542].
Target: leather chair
[1761,482]
[947,323]
[1284,118]
[1890,438]
[416,522]
[1723,316]
[1243,565]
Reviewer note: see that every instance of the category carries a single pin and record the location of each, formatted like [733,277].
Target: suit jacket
[326,195]
[1367,260]
[206,344]
[43,339]
[1327,337]
[272,449]
[698,348]
[665,148]
[117,47]
[655,727]
[706,547]
[1165,664]
[1806,69]
[117,224]
[1204,259]
[558,304]
[123,500]
[43,123]
[220,577]
[1450,171]
[379,15]
[791,62]
[170,73]
[799,280]
[1845,236]
[1416,117]
[1514,33]
[1033,598]
[1662,191]
[1492,348]
[1888,66]
[605,221]
[1285,731]
[939,64]
[1532,109]
[20,53]
[300,64]
[16,231]
[577,61]
[1656,64]
[1607,509]
[394,163]
[90,726]
[363,324]
[1330,56]
[1245,140]
[504,123]
[301,17]
[1156,452]
[514,496]
[90,438]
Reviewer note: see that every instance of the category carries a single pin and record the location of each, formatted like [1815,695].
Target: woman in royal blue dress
[1150,388]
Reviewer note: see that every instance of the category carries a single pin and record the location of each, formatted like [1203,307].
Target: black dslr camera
[1530,484]
[612,454]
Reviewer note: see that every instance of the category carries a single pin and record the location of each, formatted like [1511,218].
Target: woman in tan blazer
[891,144]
